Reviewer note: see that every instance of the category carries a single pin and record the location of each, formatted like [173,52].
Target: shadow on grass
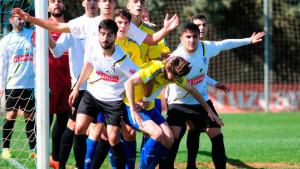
[235,162]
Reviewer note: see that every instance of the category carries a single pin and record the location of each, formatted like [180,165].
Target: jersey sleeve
[63,43]
[147,72]
[181,81]
[214,48]
[211,81]
[78,28]
[126,66]
[4,56]
[136,34]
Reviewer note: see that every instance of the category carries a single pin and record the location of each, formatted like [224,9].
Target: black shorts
[178,114]
[73,113]
[20,98]
[113,110]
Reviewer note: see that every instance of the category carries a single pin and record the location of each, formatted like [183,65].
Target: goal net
[17,133]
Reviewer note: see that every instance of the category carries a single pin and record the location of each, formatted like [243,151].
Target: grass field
[255,140]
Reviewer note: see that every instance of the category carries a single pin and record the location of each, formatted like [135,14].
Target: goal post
[42,87]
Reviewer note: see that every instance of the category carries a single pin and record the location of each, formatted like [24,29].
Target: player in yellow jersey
[143,116]
[136,9]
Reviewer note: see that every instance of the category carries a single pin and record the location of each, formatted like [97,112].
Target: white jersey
[16,54]
[199,61]
[85,27]
[106,82]
[76,55]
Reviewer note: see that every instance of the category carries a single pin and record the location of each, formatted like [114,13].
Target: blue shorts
[152,114]
[158,105]
[101,118]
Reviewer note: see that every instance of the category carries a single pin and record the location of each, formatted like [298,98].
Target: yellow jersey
[149,52]
[155,70]
[163,46]
[132,50]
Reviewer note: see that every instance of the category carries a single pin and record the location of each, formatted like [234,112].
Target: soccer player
[17,79]
[181,105]
[193,132]
[105,92]
[122,18]
[75,46]
[143,116]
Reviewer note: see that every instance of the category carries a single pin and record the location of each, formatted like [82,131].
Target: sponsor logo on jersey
[196,80]
[106,77]
[23,58]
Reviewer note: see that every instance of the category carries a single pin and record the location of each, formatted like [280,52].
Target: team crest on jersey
[27,49]
[112,71]
[204,59]
[201,70]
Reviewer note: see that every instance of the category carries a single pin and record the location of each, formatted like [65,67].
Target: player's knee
[113,138]
[71,124]
[80,129]
[157,134]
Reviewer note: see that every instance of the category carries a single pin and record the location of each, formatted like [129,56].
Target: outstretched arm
[47,24]
[217,85]
[194,92]
[169,25]
[129,88]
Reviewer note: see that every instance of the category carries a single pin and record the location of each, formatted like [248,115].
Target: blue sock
[130,149]
[90,153]
[153,153]
[113,166]
[144,141]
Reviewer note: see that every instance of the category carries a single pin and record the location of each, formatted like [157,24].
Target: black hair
[189,27]
[198,16]
[109,25]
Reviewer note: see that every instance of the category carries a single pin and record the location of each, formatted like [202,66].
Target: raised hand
[17,12]
[257,37]
[172,23]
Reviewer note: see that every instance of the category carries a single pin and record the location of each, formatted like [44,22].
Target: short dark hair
[198,16]
[178,66]
[109,25]
[122,13]
[189,27]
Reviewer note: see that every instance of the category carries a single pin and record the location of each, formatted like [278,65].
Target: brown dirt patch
[243,165]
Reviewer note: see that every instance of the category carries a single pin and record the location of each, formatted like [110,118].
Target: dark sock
[192,144]
[102,151]
[218,152]
[118,154]
[57,132]
[80,150]
[168,163]
[31,134]
[65,147]
[7,132]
